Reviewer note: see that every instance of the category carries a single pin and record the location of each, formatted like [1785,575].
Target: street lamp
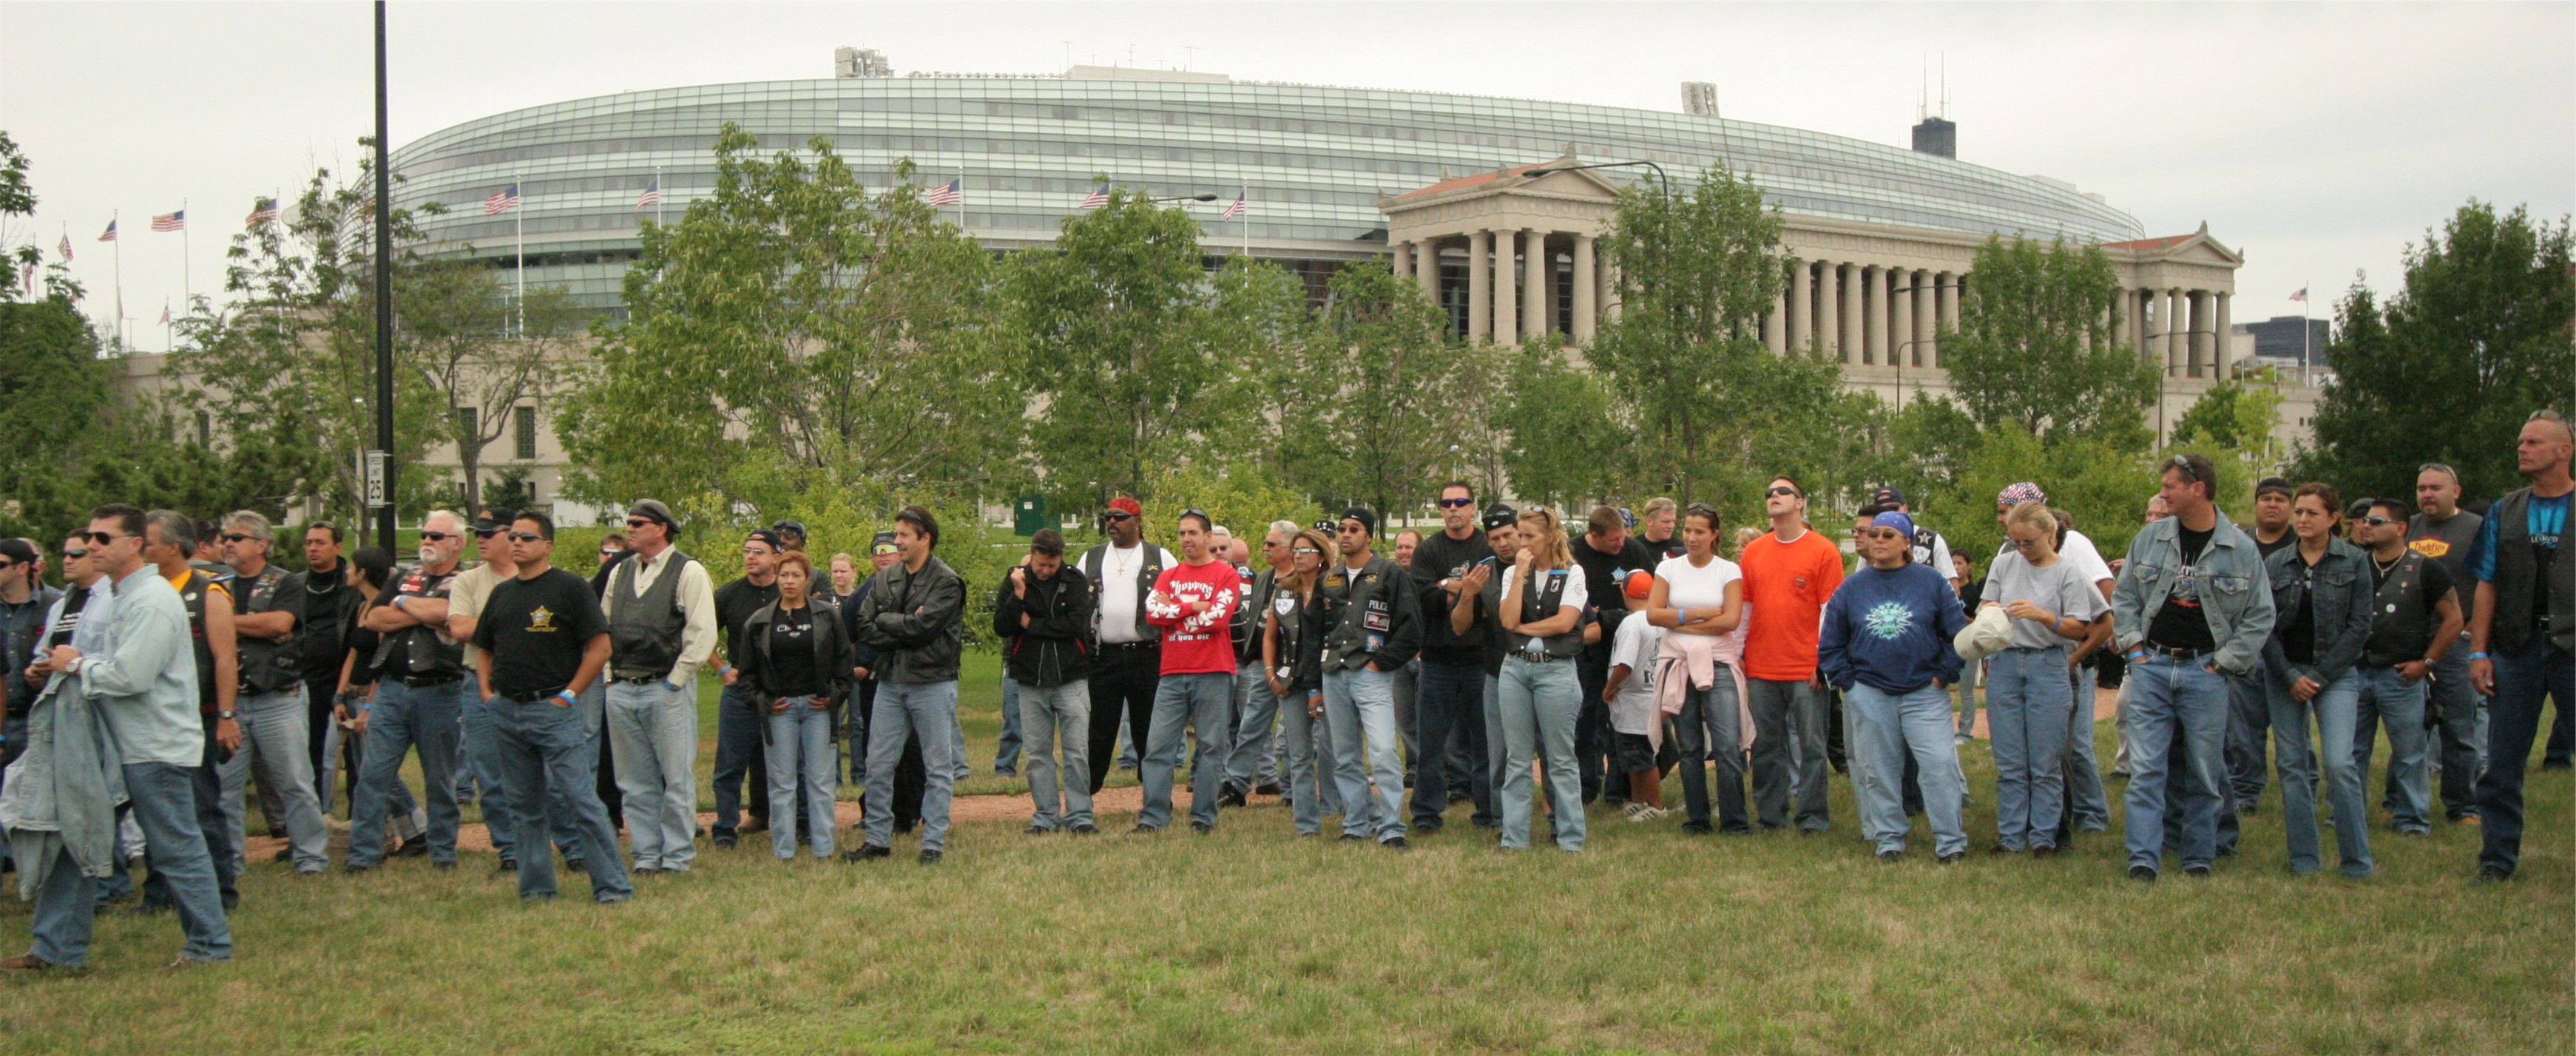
[2186,335]
[1899,354]
[1186,198]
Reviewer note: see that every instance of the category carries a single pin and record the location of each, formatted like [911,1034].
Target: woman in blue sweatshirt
[1886,644]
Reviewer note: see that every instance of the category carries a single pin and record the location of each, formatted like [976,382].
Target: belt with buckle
[1125,647]
[417,681]
[537,696]
[640,680]
[2171,652]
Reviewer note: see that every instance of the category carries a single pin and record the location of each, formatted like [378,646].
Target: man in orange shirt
[1789,574]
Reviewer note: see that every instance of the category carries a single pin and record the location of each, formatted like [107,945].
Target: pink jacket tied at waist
[1694,659]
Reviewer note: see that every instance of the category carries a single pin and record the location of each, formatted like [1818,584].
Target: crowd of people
[1374,682]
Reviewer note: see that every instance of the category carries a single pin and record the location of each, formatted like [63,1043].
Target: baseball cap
[1640,583]
[2269,485]
[17,550]
[791,526]
[1887,498]
[764,535]
[883,543]
[1500,514]
[1361,514]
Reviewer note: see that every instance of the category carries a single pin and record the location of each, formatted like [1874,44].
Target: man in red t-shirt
[1193,602]
[1789,574]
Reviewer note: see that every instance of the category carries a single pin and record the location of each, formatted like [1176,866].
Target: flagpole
[519,223]
[112,221]
[961,196]
[1245,196]
[2305,329]
[187,288]
[657,196]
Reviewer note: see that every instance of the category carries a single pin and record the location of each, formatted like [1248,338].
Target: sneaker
[1999,850]
[1631,810]
[726,841]
[2471,819]
[1266,788]
[645,870]
[2142,874]
[27,963]
[1963,740]
[929,857]
[411,849]
[753,824]
[448,866]
[1233,797]
[576,865]
[1352,837]
[868,851]
[506,866]
[1697,828]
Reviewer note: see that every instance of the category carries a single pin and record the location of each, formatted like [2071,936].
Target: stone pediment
[2194,248]
[1581,201]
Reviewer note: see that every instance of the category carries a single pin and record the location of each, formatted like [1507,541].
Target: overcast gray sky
[2318,138]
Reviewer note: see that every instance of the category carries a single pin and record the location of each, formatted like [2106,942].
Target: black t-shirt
[74,600]
[2179,623]
[2299,633]
[1666,550]
[1604,576]
[1439,557]
[2265,549]
[735,604]
[791,654]
[318,629]
[536,630]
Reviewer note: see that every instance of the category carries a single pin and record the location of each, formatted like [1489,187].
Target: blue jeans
[2332,710]
[547,758]
[2397,703]
[653,735]
[275,730]
[1967,687]
[1254,760]
[165,803]
[2027,711]
[1359,703]
[1448,698]
[478,766]
[1494,741]
[2249,723]
[741,719]
[1885,728]
[927,710]
[2541,669]
[502,816]
[1782,710]
[1306,747]
[802,761]
[1006,756]
[401,719]
[2463,751]
[1708,726]
[2186,698]
[2088,805]
[1063,794]
[1539,706]
[1203,701]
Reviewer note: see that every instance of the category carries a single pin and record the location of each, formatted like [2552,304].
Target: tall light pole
[384,297]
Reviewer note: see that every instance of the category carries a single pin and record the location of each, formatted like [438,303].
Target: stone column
[1480,285]
[1945,302]
[1873,314]
[2201,311]
[2120,315]
[1587,304]
[1537,278]
[1829,310]
[1900,321]
[1924,306]
[2175,326]
[1855,289]
[2225,328]
[1403,257]
[1802,297]
[1506,256]
[1426,267]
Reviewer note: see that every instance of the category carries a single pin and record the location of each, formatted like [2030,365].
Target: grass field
[1250,941]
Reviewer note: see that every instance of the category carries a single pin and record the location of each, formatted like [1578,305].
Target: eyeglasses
[437,537]
[1308,550]
[528,537]
[14,564]
[237,537]
[1453,504]
[2023,544]
[1775,492]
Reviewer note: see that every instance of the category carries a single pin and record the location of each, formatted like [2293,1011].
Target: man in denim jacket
[2192,607]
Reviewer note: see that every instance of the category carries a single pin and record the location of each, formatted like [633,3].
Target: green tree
[484,354]
[1685,357]
[2476,340]
[2033,345]
[1116,316]
[1565,440]
[1266,337]
[1395,368]
[795,333]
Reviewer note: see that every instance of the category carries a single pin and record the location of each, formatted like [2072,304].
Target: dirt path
[1013,806]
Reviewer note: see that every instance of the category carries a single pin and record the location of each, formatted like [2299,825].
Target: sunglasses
[102,538]
[1453,504]
[755,551]
[528,537]
[438,537]
[14,564]
[1115,515]
[887,550]
[2182,465]
[1308,550]
[2377,521]
[609,551]
[639,522]
[74,555]
[237,537]
[486,533]
[1884,534]
[1780,491]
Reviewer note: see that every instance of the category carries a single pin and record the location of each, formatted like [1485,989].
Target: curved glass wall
[1313,160]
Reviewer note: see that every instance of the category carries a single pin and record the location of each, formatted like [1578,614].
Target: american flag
[27,278]
[652,194]
[1234,210]
[165,315]
[2301,296]
[262,210]
[502,201]
[67,247]
[1098,197]
[108,236]
[952,192]
[167,222]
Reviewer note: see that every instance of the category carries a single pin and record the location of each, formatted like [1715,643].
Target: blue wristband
[568,699]
[2480,656]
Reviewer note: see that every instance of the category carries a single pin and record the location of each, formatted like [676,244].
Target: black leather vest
[1541,604]
[644,634]
[2400,630]
[267,666]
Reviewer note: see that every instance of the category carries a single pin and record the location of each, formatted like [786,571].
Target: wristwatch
[224,715]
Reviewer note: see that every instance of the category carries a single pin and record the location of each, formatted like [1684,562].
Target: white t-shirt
[1633,710]
[1577,589]
[1688,587]
[1118,600]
